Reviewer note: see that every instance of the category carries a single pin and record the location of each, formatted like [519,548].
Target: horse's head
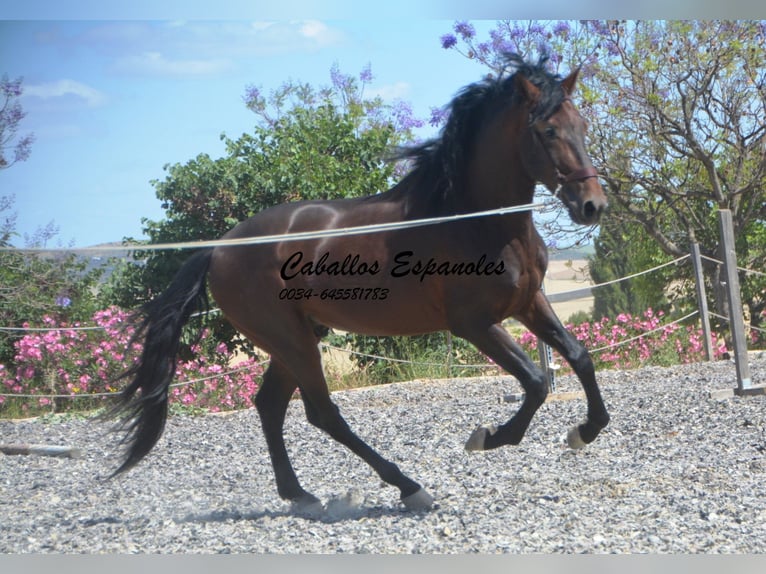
[554,152]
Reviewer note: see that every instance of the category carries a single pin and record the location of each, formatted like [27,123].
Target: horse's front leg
[496,343]
[542,321]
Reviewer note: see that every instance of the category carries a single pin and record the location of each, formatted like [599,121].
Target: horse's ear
[569,82]
[528,89]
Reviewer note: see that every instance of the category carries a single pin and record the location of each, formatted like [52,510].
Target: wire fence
[559,296]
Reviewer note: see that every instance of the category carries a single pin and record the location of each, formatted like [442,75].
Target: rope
[114,393]
[216,310]
[743,269]
[49,329]
[642,335]
[305,235]
[580,290]
[350,352]
[723,318]
[641,272]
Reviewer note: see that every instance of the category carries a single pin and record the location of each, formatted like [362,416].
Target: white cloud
[156,64]
[399,90]
[319,33]
[199,49]
[61,88]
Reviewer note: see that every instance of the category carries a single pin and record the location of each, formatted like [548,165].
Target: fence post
[736,320]
[699,279]
[546,360]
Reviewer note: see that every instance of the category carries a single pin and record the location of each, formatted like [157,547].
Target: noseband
[576,175]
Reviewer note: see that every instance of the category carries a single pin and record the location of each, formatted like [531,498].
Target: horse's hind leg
[271,401]
[324,414]
[327,417]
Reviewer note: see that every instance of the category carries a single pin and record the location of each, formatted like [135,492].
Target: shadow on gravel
[328,515]
[336,510]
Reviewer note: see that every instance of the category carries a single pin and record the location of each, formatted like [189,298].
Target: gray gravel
[676,471]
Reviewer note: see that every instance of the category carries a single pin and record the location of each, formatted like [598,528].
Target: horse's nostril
[589,210]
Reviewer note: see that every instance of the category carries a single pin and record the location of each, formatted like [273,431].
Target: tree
[676,111]
[11,114]
[620,250]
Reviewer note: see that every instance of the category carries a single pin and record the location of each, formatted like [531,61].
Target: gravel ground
[675,471]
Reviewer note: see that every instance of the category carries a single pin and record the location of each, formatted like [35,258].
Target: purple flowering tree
[676,125]
[13,148]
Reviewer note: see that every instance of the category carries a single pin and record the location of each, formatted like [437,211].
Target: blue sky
[111,99]
[111,102]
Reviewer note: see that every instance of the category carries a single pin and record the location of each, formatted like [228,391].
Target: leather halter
[577,175]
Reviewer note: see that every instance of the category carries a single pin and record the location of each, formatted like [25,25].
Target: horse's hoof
[574,440]
[478,436]
[307,505]
[419,500]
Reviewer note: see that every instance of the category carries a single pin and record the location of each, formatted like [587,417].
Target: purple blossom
[339,80]
[448,41]
[517,33]
[23,148]
[465,29]
[405,119]
[366,74]
[252,93]
[562,29]
[600,27]
[11,115]
[63,301]
[253,99]
[438,116]
[500,43]
[11,88]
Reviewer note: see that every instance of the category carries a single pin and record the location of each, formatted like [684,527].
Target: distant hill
[575,253]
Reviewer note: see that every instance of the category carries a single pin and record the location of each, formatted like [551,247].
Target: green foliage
[429,356]
[35,286]
[620,251]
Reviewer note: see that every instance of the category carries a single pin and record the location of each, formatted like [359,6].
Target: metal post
[699,279]
[736,320]
[546,361]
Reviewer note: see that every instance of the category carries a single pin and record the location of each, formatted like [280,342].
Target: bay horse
[503,135]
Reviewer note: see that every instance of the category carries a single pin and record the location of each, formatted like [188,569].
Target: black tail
[142,417]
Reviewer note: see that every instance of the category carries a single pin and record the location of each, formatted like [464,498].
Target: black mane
[438,164]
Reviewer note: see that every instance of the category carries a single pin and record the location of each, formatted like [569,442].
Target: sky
[112,97]
[111,102]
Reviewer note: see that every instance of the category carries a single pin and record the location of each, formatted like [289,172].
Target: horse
[504,134]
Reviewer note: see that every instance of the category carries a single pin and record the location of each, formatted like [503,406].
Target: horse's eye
[550,133]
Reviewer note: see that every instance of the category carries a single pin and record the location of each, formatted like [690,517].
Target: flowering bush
[630,342]
[68,361]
